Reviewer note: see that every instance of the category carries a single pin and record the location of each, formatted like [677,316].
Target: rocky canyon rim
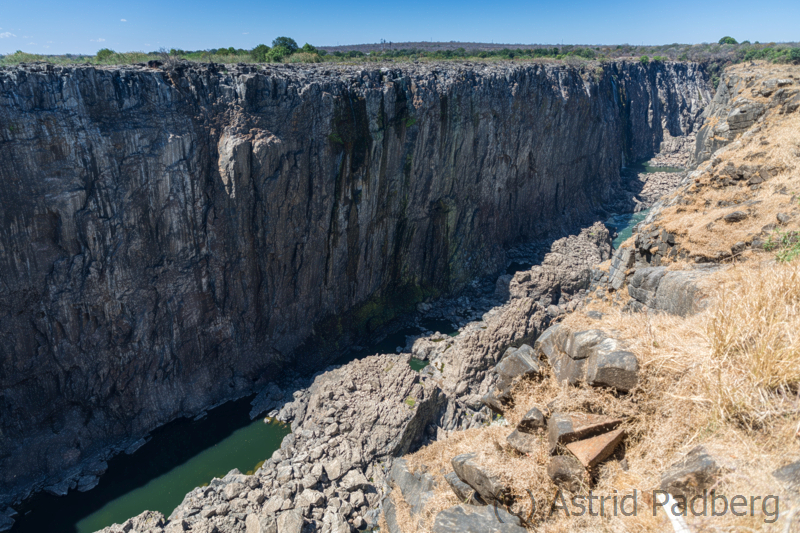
[378,129]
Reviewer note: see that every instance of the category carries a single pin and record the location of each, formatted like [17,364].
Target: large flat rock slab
[472,519]
[470,470]
[592,451]
[564,428]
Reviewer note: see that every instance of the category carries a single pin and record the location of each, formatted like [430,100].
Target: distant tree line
[286,50]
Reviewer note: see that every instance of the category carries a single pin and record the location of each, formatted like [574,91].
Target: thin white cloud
[123,20]
[27,36]
[100,40]
[246,33]
[6,35]
[32,44]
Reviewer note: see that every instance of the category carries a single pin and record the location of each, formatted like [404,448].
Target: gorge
[176,237]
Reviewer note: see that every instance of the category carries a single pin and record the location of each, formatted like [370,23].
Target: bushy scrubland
[286,50]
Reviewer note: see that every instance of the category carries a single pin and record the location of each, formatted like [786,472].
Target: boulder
[519,363]
[532,421]
[582,344]
[463,492]
[790,475]
[417,488]
[260,523]
[688,477]
[679,292]
[675,292]
[736,216]
[550,342]
[487,484]
[644,283]
[472,519]
[333,469]
[233,490]
[617,369]
[622,261]
[563,428]
[310,498]
[523,442]
[390,515]
[354,480]
[567,369]
[567,472]
[290,522]
[593,450]
[274,504]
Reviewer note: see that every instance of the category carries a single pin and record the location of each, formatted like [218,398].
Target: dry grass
[698,220]
[727,378]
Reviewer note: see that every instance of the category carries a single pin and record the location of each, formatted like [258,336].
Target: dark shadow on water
[398,339]
[171,446]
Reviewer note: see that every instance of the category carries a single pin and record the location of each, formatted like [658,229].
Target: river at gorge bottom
[180,456]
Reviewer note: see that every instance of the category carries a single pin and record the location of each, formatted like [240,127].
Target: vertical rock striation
[170,238]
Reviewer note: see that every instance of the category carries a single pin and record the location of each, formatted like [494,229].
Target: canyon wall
[174,237]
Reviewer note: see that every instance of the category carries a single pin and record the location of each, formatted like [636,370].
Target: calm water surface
[180,456]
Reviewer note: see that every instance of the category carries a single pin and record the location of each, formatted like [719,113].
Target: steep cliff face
[744,95]
[171,237]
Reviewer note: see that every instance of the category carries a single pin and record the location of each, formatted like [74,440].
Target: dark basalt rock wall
[169,238]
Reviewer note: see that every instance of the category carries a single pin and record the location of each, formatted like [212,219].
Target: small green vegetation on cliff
[785,244]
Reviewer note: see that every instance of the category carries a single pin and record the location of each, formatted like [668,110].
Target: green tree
[728,40]
[286,42]
[308,49]
[644,60]
[794,55]
[278,53]
[105,54]
[259,53]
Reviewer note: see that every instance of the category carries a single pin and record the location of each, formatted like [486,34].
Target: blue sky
[84,26]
